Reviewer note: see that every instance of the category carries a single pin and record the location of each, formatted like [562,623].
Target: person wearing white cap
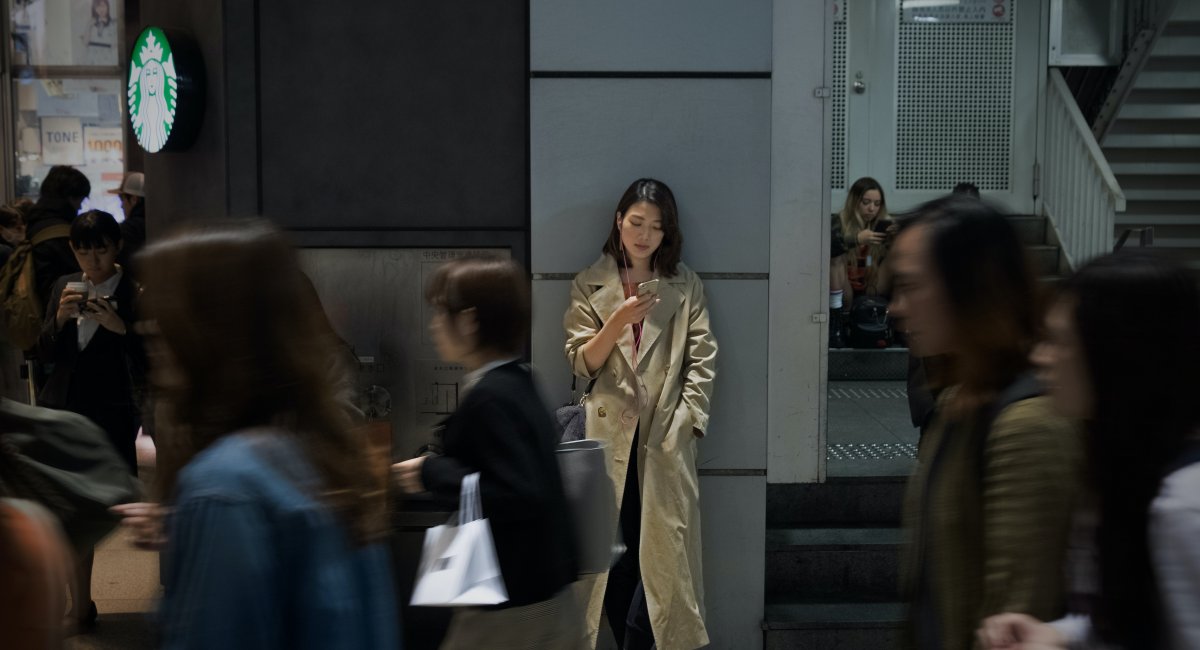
[132,193]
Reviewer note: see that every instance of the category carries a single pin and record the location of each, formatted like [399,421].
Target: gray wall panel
[630,35]
[737,436]
[550,299]
[708,139]
[733,526]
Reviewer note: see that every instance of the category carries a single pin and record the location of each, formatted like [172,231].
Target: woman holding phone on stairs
[638,328]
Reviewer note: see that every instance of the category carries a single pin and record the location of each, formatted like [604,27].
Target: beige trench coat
[677,362]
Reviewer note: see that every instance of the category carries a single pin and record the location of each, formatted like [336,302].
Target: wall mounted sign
[956,11]
[62,141]
[166,90]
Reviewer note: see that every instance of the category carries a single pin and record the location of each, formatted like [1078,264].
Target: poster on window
[103,145]
[957,11]
[62,141]
[65,32]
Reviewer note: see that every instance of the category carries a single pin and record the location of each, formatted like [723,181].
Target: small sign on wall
[103,145]
[957,11]
[62,141]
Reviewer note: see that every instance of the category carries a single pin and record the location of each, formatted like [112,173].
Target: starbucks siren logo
[153,89]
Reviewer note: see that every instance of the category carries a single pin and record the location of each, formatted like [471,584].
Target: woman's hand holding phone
[635,308]
[103,312]
[69,305]
[866,237]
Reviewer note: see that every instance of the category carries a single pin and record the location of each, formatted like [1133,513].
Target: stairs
[1154,144]
[832,565]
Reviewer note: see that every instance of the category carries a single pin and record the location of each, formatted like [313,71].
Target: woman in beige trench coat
[653,359]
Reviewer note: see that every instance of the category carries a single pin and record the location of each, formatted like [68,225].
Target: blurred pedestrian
[276,521]
[988,509]
[504,431]
[1135,384]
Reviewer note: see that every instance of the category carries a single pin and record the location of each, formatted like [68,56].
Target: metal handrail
[1145,237]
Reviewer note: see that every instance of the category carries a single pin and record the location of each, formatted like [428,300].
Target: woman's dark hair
[63,182]
[1144,381]
[992,294]
[967,189]
[11,216]
[647,190]
[230,304]
[496,288]
[95,229]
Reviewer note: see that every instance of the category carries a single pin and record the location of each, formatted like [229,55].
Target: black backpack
[869,326]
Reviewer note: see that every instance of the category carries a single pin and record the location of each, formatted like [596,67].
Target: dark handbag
[67,464]
[572,418]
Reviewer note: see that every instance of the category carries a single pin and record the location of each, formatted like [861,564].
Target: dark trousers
[625,597]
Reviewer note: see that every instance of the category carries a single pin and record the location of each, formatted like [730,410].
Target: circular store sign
[166,90]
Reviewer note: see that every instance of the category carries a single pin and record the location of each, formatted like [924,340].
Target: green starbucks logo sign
[165,90]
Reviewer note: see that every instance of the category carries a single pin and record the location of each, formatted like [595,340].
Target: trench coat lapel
[670,299]
[607,298]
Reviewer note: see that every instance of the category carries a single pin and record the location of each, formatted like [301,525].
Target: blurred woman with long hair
[989,507]
[276,514]
[1134,383]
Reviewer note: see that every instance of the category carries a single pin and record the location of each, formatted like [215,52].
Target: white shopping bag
[458,562]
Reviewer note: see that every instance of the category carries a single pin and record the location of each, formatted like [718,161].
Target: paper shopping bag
[458,562]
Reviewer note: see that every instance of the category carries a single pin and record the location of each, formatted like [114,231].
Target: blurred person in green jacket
[988,511]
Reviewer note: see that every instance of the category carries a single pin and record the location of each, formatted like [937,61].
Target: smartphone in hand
[647,287]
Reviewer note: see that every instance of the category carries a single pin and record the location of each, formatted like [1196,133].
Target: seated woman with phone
[97,360]
[867,233]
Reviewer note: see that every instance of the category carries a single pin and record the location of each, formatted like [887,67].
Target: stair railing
[1079,192]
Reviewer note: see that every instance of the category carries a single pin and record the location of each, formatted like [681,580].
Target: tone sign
[62,141]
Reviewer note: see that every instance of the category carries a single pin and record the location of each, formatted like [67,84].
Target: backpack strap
[57,231]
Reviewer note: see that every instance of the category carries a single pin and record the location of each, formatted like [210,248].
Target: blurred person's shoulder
[1034,421]
[249,466]
[17,418]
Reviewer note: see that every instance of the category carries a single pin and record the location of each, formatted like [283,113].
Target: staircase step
[1175,111]
[1154,169]
[1182,23]
[1155,96]
[1150,141]
[1176,62]
[1155,126]
[1153,194]
[1044,259]
[1032,230]
[1152,207]
[840,564]
[1172,79]
[1163,183]
[837,502]
[834,626]
[1179,156]
[1175,45]
[1126,220]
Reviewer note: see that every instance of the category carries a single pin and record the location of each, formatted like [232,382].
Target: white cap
[134,184]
